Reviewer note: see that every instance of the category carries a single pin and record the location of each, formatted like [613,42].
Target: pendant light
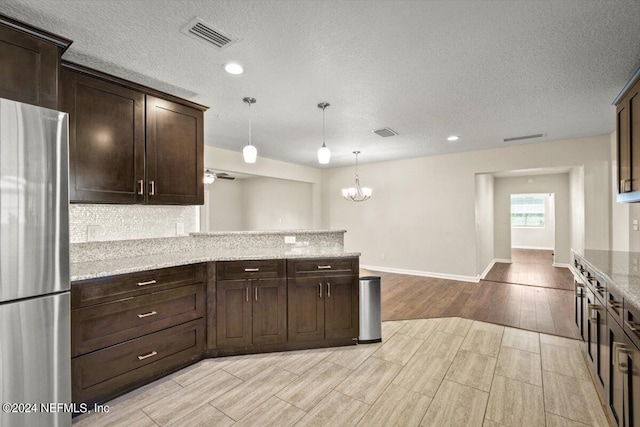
[249,151]
[209,177]
[357,193]
[324,154]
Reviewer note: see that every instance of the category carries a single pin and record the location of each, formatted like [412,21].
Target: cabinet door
[597,347]
[106,140]
[233,313]
[29,69]
[579,307]
[632,386]
[634,136]
[175,148]
[341,307]
[624,148]
[615,390]
[269,311]
[306,300]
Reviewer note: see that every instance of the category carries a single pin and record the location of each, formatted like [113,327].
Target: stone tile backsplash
[94,223]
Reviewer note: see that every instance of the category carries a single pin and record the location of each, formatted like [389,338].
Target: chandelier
[357,193]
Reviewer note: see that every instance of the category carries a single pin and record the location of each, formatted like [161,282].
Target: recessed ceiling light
[453,138]
[233,68]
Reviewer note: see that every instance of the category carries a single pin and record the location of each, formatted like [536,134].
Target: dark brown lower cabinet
[596,337]
[251,312]
[579,307]
[323,307]
[623,392]
[106,373]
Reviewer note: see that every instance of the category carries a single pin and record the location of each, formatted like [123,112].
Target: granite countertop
[621,271]
[110,267]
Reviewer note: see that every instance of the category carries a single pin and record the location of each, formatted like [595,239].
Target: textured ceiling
[484,70]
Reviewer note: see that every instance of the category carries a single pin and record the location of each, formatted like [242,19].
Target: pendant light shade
[209,177]
[249,152]
[357,193]
[324,154]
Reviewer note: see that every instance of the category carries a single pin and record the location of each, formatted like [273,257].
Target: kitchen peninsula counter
[101,259]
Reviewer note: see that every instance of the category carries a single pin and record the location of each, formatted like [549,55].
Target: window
[527,210]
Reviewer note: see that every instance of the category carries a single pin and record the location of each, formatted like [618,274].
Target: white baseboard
[474,279]
[486,270]
[561,264]
[503,260]
[540,248]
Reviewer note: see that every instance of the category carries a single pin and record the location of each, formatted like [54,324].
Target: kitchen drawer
[102,325]
[322,266]
[97,291]
[103,374]
[597,285]
[250,269]
[631,323]
[615,305]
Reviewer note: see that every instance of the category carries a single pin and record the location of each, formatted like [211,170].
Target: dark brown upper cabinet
[29,63]
[628,140]
[130,144]
[175,144]
[106,140]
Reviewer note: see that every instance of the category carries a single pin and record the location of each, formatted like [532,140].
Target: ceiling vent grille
[385,132]
[520,138]
[200,30]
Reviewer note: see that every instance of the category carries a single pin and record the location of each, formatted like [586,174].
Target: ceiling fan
[210,176]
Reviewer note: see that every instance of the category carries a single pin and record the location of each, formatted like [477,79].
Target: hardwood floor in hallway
[532,267]
[546,308]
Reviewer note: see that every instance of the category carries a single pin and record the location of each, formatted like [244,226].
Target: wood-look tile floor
[427,372]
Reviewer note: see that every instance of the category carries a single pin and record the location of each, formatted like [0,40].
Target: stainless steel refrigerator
[35,354]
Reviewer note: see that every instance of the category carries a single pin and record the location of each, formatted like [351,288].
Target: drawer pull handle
[151,313]
[251,270]
[328,290]
[615,304]
[141,190]
[324,267]
[631,326]
[153,188]
[256,293]
[246,294]
[146,356]
[319,289]
[149,282]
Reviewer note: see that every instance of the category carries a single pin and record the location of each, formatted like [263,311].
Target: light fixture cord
[323,108]
[249,122]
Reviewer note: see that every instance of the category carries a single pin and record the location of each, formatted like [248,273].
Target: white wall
[277,204]
[257,204]
[577,193]
[484,221]
[232,161]
[534,237]
[422,213]
[222,210]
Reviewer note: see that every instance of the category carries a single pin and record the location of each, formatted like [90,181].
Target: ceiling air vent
[520,138]
[385,132]
[198,29]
